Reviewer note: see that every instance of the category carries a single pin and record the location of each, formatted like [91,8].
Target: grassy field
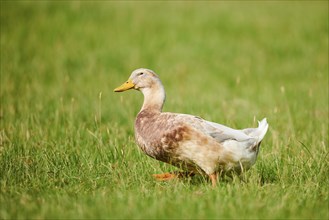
[67,142]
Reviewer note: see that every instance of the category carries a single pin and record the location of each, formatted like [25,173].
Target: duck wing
[222,133]
[217,131]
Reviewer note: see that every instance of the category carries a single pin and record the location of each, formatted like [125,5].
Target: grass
[66,140]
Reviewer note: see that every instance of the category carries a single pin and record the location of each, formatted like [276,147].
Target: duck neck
[154,98]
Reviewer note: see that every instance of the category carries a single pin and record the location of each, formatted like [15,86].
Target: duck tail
[261,130]
[259,133]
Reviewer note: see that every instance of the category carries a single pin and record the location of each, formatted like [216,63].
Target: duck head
[149,84]
[140,79]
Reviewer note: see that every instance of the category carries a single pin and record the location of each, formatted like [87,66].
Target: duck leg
[213,178]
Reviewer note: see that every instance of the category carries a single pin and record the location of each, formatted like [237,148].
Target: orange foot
[165,176]
[174,175]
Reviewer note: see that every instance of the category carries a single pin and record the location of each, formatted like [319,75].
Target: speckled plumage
[188,141]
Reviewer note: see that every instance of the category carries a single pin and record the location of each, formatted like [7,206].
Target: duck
[189,142]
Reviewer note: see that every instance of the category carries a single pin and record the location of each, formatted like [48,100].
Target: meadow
[67,145]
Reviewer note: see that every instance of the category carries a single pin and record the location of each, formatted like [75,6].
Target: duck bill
[125,86]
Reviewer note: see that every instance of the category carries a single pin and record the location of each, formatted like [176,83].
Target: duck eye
[141,73]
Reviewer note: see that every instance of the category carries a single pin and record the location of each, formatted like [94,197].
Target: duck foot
[173,175]
[165,176]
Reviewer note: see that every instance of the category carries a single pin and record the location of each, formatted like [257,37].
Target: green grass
[66,140]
